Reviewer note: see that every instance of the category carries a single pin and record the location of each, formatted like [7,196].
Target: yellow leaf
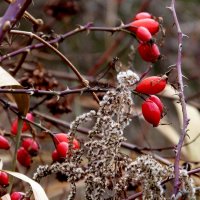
[22,100]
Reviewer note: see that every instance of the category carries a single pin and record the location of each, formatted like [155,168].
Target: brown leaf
[22,100]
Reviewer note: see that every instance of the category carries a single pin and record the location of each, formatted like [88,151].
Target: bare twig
[52,93]
[73,68]
[182,100]
[87,27]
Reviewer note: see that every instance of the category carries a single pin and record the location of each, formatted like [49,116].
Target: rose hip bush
[88,108]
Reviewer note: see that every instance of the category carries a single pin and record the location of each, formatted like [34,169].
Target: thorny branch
[12,15]
[60,38]
[182,100]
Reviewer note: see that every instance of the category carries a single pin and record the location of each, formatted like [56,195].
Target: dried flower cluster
[108,172]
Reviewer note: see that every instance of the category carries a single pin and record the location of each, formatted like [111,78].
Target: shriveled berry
[63,137]
[143,34]
[18,196]
[31,146]
[62,149]
[24,157]
[152,85]
[4,179]
[157,101]
[149,52]
[143,15]
[151,24]
[4,143]
[151,112]
[25,125]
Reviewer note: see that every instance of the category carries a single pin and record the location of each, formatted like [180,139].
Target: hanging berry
[18,196]
[151,112]
[25,125]
[151,24]
[62,149]
[63,137]
[24,157]
[4,179]
[31,146]
[55,156]
[157,101]
[149,52]
[143,34]
[142,15]
[4,143]
[152,85]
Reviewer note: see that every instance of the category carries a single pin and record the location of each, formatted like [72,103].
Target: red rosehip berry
[18,196]
[143,15]
[152,85]
[31,146]
[62,149]
[24,157]
[63,137]
[151,112]
[157,101]
[25,125]
[149,52]
[4,144]
[55,156]
[4,179]
[150,24]
[143,34]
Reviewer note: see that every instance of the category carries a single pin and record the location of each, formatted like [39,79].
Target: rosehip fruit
[157,101]
[150,24]
[143,15]
[18,196]
[149,52]
[151,112]
[62,149]
[31,146]
[24,157]
[143,34]
[25,125]
[4,179]
[4,144]
[152,85]
[55,156]
[63,137]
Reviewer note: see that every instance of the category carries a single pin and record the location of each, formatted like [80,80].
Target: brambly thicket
[99,100]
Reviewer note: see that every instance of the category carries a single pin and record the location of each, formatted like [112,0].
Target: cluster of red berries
[152,107]
[144,26]
[25,126]
[61,141]
[29,146]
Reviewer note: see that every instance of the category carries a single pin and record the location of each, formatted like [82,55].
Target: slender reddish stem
[182,100]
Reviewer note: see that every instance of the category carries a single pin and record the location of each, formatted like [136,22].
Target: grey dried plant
[108,172]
